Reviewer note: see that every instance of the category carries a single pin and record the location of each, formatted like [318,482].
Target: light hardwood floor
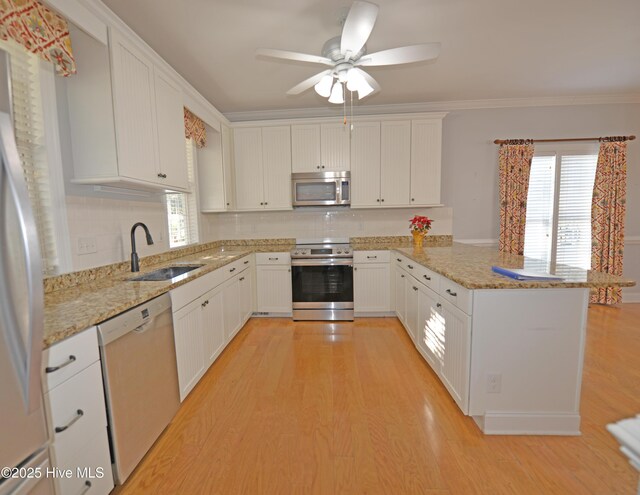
[352,408]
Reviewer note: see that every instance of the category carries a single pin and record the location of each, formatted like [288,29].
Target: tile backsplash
[314,222]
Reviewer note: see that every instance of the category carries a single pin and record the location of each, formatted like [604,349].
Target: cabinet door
[211,176]
[411,319]
[371,287]
[305,148]
[231,300]
[334,147]
[430,328]
[227,166]
[172,156]
[134,109]
[212,325]
[245,288]
[395,163]
[276,165]
[401,300]
[248,168]
[365,164]
[273,288]
[426,144]
[187,331]
[456,357]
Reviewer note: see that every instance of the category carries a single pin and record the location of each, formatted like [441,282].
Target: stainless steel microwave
[321,188]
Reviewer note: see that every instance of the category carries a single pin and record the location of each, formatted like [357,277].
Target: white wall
[470,163]
[315,222]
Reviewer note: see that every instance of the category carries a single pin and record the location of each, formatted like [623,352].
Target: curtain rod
[522,141]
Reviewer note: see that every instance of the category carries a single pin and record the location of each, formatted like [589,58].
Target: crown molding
[439,106]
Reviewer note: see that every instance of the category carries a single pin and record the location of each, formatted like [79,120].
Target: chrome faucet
[135,262]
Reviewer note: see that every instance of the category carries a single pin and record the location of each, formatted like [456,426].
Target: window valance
[194,128]
[39,30]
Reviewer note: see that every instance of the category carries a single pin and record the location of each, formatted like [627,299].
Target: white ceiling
[491,49]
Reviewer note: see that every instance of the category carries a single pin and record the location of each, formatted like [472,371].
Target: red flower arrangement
[420,224]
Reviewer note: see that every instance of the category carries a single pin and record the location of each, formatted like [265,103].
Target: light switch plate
[87,245]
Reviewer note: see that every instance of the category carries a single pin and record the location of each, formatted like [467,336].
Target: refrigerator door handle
[27,353]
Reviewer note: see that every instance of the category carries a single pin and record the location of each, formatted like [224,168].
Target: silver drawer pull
[372,257]
[415,288]
[79,414]
[451,293]
[428,278]
[232,270]
[51,369]
[274,259]
[87,487]
[410,267]
[438,305]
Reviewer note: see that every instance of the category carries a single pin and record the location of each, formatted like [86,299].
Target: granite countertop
[72,308]
[76,301]
[470,266]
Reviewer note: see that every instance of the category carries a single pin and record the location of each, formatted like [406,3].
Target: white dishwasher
[141,380]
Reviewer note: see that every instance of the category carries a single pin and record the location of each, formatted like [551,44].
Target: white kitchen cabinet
[371,283]
[212,179]
[395,163]
[365,165]
[212,314]
[190,349]
[273,283]
[411,316]
[76,414]
[456,358]
[232,316]
[262,162]
[246,288]
[430,330]
[320,147]
[400,296]
[426,146]
[134,133]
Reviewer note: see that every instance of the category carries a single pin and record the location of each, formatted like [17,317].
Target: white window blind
[182,208]
[558,224]
[28,123]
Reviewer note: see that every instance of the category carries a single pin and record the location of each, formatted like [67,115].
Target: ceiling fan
[347,53]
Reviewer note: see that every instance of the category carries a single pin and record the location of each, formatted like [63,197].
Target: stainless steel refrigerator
[24,457]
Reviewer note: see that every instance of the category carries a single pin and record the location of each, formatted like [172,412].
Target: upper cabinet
[396,162]
[262,157]
[320,147]
[125,117]
[215,179]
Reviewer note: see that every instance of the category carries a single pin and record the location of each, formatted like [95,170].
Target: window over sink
[182,208]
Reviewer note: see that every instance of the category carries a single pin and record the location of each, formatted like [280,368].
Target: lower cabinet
[441,330]
[273,283]
[76,414]
[371,283]
[205,325]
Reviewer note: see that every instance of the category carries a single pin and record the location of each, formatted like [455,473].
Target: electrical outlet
[87,245]
[494,383]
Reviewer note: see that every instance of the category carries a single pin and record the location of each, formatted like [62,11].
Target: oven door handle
[321,262]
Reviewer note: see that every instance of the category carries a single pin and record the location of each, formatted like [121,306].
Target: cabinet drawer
[399,259]
[273,258]
[371,257]
[456,294]
[77,404]
[183,295]
[90,468]
[427,277]
[69,357]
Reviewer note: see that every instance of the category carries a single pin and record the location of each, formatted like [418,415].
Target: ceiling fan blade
[358,26]
[402,55]
[298,57]
[308,83]
[370,80]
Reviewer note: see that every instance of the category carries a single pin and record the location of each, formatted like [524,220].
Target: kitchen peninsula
[509,352]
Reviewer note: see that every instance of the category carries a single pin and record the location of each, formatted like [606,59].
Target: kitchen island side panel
[532,342]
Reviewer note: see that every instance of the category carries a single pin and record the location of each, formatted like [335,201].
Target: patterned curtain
[194,128]
[607,217]
[515,165]
[40,31]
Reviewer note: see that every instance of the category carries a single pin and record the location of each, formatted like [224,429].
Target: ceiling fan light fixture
[337,94]
[364,90]
[323,87]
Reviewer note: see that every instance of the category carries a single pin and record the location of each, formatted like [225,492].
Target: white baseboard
[374,314]
[529,424]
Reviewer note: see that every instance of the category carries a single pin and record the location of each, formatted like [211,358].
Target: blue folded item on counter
[521,274]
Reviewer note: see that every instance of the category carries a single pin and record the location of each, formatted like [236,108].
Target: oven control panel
[322,251]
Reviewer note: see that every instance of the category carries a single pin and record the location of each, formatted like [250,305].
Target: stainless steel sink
[167,273]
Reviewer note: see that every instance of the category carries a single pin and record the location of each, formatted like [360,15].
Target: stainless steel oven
[321,189]
[322,282]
